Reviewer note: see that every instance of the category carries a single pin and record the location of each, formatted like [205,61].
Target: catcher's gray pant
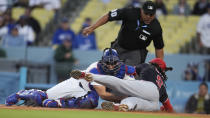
[143,95]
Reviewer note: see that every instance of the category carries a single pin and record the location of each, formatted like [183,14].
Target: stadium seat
[42,15]
[17,12]
[177,31]
[94,9]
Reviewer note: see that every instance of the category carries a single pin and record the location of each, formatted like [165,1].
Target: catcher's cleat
[77,74]
[110,106]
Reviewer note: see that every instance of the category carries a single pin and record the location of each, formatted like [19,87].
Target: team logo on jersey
[142,37]
[144,26]
[146,32]
[114,13]
[150,7]
[159,81]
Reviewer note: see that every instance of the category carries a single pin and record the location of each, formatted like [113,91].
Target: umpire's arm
[158,43]
[101,21]
[116,14]
[159,53]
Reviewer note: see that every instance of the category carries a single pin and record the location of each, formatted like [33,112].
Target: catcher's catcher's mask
[110,57]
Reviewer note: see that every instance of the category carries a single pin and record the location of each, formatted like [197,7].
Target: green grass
[11,113]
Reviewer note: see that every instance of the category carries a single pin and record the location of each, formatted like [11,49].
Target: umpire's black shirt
[148,72]
[134,33]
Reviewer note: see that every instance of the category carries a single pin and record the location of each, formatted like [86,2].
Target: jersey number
[159,81]
[114,13]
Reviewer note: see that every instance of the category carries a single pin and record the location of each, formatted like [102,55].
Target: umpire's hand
[87,30]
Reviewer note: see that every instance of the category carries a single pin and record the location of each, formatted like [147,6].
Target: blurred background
[41,42]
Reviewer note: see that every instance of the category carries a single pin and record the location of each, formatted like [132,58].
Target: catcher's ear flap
[169,69]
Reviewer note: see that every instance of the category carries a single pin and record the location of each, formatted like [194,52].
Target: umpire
[139,27]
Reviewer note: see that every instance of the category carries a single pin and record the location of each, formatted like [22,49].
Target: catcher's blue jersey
[124,70]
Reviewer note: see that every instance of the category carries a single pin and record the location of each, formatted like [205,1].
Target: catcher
[70,93]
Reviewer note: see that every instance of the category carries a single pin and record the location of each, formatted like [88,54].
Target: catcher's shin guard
[63,103]
[33,97]
[88,101]
[12,99]
[52,103]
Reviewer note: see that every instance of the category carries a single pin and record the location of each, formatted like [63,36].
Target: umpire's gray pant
[144,95]
[130,57]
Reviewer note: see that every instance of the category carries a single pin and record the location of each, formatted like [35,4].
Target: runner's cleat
[77,74]
[123,107]
[110,106]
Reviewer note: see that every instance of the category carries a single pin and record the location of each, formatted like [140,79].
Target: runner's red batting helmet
[159,62]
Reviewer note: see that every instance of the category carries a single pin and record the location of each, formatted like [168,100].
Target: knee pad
[12,99]
[69,103]
[25,94]
[93,98]
[38,97]
[51,103]
[88,101]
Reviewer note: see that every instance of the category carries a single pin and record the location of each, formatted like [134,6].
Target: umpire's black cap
[149,7]
[208,6]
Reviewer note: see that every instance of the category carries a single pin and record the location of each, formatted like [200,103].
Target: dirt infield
[136,112]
